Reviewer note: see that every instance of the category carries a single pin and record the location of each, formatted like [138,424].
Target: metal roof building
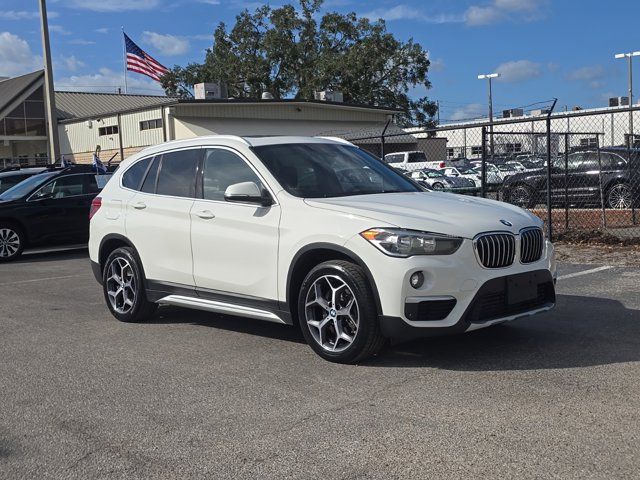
[120,124]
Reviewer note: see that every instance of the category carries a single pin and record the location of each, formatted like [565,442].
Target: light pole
[630,56]
[50,101]
[489,77]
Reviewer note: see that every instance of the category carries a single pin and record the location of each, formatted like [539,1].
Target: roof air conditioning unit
[618,101]
[329,96]
[210,91]
[539,112]
[514,112]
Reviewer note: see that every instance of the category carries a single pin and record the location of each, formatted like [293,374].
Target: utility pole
[49,93]
[629,56]
[489,77]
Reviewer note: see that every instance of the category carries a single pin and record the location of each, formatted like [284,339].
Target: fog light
[417,279]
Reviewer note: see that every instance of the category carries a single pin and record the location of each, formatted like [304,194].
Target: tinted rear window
[133,176]
[177,176]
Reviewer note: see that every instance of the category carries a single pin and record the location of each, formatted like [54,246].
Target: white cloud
[112,5]
[102,30]
[468,112]
[437,65]
[592,75]
[71,63]
[18,15]
[210,2]
[108,81]
[59,29]
[518,71]
[16,57]
[166,44]
[406,12]
[501,10]
[80,41]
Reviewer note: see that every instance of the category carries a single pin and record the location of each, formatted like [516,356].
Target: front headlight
[399,242]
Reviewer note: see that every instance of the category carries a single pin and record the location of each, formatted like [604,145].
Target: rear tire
[11,242]
[337,313]
[437,186]
[123,286]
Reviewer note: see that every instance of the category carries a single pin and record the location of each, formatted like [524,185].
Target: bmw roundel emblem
[507,223]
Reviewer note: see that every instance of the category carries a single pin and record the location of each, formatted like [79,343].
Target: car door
[158,220]
[58,212]
[235,245]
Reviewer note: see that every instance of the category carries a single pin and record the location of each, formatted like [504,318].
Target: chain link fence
[578,171]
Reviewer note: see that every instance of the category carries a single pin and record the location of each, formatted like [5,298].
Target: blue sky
[543,48]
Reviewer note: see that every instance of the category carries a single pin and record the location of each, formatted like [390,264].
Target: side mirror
[247,192]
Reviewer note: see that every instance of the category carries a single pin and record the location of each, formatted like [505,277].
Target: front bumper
[465,295]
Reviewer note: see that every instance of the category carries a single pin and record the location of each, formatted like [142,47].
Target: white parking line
[39,280]
[585,272]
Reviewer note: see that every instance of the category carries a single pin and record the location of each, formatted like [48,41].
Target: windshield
[26,186]
[467,171]
[433,173]
[505,168]
[321,170]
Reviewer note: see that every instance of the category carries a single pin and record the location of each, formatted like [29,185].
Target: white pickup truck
[413,160]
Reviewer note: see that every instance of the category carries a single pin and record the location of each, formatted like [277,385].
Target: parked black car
[11,176]
[586,180]
[49,208]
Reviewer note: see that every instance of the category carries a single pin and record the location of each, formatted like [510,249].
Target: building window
[589,142]
[514,147]
[150,124]
[110,130]
[476,151]
[450,153]
[27,119]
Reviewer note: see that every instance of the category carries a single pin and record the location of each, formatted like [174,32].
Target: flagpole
[124,60]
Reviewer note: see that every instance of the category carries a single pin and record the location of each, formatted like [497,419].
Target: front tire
[123,287]
[11,242]
[337,313]
[437,186]
[619,196]
[522,196]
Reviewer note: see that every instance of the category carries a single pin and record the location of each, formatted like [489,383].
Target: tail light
[442,165]
[96,203]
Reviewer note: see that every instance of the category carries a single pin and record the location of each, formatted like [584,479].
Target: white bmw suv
[315,232]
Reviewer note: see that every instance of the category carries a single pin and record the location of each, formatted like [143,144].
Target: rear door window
[177,175]
[149,184]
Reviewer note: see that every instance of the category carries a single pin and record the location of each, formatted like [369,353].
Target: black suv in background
[585,180]
[48,209]
[9,177]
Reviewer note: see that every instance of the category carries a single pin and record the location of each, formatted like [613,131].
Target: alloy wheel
[121,285]
[520,196]
[620,197]
[9,242]
[332,313]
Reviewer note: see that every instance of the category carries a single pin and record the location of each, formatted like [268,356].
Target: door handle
[139,205]
[205,214]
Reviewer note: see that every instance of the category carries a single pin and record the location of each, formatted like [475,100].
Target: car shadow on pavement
[52,256]
[579,332]
[249,326]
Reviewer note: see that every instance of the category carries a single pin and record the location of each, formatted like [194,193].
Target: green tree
[288,52]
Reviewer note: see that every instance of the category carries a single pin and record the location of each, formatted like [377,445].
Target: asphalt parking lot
[205,396]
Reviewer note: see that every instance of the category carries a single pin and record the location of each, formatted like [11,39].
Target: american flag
[141,62]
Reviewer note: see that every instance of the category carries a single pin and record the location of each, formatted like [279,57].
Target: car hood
[437,212]
[459,181]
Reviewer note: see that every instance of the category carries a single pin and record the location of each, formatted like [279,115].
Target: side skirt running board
[220,307]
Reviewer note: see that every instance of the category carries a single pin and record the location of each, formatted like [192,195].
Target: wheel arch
[311,255]
[109,243]
[17,223]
